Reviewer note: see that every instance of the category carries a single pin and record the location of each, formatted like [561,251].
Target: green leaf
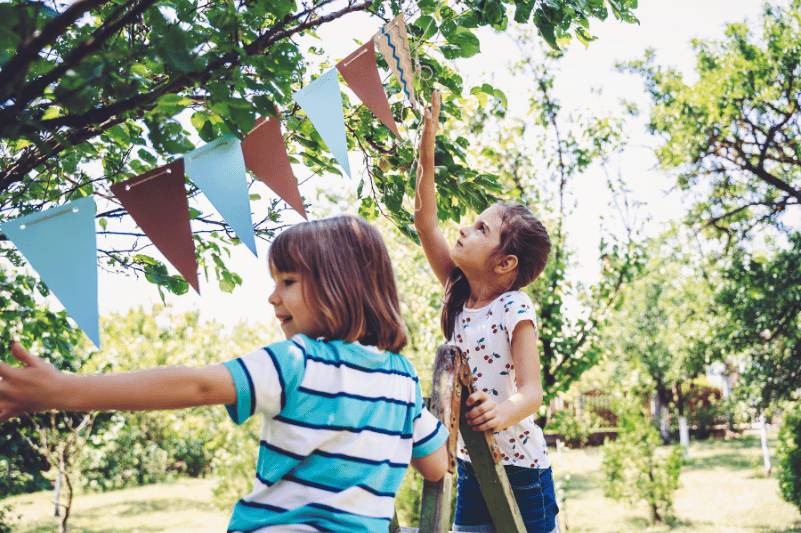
[428,26]
[171,104]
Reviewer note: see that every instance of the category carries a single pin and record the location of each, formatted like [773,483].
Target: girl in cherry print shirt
[493,322]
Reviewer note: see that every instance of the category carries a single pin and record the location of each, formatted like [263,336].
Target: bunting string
[160,207]
[129,186]
[48,217]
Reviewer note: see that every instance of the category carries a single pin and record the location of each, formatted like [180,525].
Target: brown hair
[523,236]
[347,275]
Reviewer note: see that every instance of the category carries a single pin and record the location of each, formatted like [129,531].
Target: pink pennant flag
[361,74]
[265,155]
[156,200]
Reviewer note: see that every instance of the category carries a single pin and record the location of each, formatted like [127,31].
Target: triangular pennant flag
[61,245]
[361,74]
[219,170]
[265,155]
[393,43]
[321,100]
[157,202]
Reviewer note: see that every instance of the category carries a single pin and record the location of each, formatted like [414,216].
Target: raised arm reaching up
[425,201]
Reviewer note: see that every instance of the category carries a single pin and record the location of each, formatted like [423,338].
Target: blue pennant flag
[61,245]
[321,100]
[219,170]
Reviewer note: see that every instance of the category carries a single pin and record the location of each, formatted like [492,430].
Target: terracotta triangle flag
[361,74]
[157,202]
[265,155]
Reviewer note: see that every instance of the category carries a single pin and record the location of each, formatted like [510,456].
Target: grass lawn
[722,492]
[181,507]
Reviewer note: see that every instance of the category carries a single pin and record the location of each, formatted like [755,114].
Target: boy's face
[291,308]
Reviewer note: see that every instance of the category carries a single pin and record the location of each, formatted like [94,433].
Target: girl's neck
[483,292]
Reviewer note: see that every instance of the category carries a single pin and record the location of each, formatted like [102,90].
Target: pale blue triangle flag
[219,170]
[61,245]
[321,100]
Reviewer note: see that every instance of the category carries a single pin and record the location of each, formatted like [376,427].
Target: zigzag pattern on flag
[393,42]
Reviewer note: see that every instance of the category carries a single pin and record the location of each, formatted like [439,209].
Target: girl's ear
[506,265]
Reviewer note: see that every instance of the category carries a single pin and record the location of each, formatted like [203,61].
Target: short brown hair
[347,275]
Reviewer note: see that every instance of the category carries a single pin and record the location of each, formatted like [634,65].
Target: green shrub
[124,455]
[789,464]
[6,519]
[632,470]
[575,430]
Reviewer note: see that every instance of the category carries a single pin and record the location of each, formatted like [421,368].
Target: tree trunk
[655,518]
[684,436]
[664,424]
[684,430]
[763,433]
[57,496]
[62,474]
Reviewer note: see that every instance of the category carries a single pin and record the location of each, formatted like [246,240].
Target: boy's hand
[485,415]
[25,390]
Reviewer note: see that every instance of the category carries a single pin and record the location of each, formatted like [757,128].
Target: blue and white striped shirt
[340,424]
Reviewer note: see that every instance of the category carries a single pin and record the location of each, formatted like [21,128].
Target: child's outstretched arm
[39,386]
[425,201]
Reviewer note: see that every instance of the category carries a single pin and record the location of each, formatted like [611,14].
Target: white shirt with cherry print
[484,336]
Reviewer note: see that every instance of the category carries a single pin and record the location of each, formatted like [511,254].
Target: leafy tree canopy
[102,82]
[663,325]
[761,300]
[733,135]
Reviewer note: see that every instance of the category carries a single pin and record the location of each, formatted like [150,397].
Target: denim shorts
[533,489]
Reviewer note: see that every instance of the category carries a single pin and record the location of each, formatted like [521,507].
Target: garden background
[668,181]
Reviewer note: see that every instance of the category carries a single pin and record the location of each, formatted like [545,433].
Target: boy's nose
[463,232]
[273,298]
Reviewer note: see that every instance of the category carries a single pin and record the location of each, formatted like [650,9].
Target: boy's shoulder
[353,355]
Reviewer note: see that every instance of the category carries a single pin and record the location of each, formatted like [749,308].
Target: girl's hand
[485,415]
[429,135]
[28,389]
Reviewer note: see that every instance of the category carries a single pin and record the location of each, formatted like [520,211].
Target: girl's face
[291,307]
[476,243]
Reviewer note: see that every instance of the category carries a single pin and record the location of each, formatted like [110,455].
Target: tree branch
[37,87]
[96,121]
[19,63]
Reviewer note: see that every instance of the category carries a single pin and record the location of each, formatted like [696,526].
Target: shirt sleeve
[428,433]
[517,308]
[265,378]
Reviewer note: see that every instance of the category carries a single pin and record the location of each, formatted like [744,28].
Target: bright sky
[666,26]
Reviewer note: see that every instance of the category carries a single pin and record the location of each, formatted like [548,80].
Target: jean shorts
[533,489]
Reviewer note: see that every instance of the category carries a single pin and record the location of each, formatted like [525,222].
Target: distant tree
[732,136]
[24,318]
[664,322]
[760,298]
[62,439]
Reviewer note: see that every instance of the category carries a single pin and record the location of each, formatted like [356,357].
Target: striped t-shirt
[340,424]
